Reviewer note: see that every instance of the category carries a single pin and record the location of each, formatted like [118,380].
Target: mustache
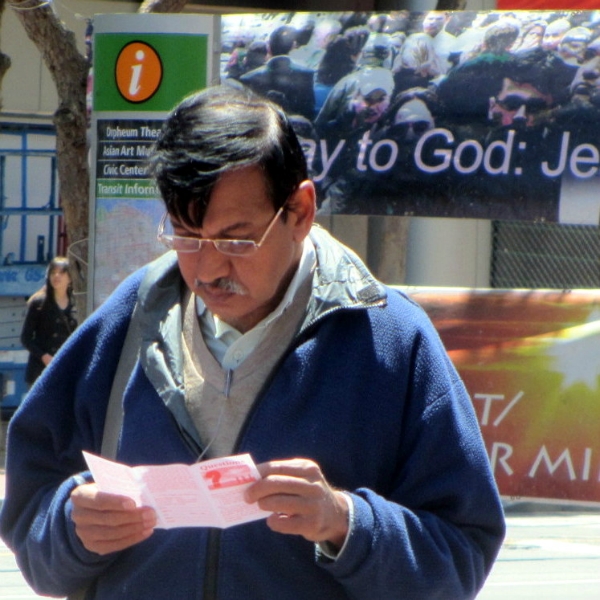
[222,283]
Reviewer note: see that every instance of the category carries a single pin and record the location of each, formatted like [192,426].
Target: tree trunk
[69,70]
[4,59]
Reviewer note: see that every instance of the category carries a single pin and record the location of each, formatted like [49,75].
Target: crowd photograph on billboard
[479,114]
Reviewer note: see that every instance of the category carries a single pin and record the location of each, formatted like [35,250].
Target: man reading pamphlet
[256,333]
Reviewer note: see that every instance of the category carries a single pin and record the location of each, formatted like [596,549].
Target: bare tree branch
[162,6]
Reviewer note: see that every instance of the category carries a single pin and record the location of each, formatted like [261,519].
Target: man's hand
[108,523]
[301,500]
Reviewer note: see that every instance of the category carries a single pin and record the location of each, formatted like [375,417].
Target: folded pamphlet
[205,494]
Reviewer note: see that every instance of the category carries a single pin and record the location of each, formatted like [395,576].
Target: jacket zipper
[212,564]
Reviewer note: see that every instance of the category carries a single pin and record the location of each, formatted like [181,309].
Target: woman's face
[59,279]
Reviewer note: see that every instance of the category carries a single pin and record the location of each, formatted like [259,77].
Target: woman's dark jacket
[45,330]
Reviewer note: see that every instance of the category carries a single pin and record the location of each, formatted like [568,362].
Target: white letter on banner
[587,463]
[327,162]
[577,159]
[503,146]
[392,159]
[503,460]
[445,154]
[544,456]
[309,147]
[487,405]
[562,161]
[465,170]
[364,142]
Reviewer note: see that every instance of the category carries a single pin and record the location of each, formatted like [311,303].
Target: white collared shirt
[231,347]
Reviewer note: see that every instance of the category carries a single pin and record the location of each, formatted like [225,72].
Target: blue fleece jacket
[366,390]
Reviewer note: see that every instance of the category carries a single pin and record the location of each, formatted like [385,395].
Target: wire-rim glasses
[185,244]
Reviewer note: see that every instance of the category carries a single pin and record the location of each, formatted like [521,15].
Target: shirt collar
[218,329]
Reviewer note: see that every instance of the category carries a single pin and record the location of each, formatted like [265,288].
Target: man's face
[533,37]
[572,49]
[552,38]
[369,108]
[243,290]
[586,83]
[518,103]
[433,23]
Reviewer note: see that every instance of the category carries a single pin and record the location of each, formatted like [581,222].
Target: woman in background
[50,318]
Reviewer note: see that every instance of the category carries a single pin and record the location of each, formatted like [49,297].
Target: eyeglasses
[185,244]
[515,102]
[418,127]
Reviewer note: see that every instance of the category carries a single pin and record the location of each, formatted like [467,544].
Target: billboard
[478,114]
[531,363]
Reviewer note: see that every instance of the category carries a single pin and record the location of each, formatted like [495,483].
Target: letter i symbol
[138,72]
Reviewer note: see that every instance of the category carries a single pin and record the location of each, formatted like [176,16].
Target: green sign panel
[144,65]
[161,68]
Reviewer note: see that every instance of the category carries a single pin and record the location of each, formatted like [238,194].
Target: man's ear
[302,208]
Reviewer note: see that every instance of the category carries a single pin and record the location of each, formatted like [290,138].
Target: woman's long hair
[47,291]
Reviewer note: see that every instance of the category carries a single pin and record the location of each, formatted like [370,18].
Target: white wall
[448,252]
[27,86]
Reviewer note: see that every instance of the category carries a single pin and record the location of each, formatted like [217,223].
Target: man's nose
[211,264]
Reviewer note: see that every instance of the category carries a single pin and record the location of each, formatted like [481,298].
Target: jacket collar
[341,279]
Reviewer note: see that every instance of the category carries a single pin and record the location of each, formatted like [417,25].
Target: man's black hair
[216,131]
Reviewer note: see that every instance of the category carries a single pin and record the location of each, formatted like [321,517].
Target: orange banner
[531,362]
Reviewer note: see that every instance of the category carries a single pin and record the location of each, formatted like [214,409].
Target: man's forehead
[376,95]
[510,86]
[435,17]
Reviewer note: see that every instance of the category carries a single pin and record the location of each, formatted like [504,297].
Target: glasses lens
[183,244]
[235,247]
[513,103]
[193,244]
